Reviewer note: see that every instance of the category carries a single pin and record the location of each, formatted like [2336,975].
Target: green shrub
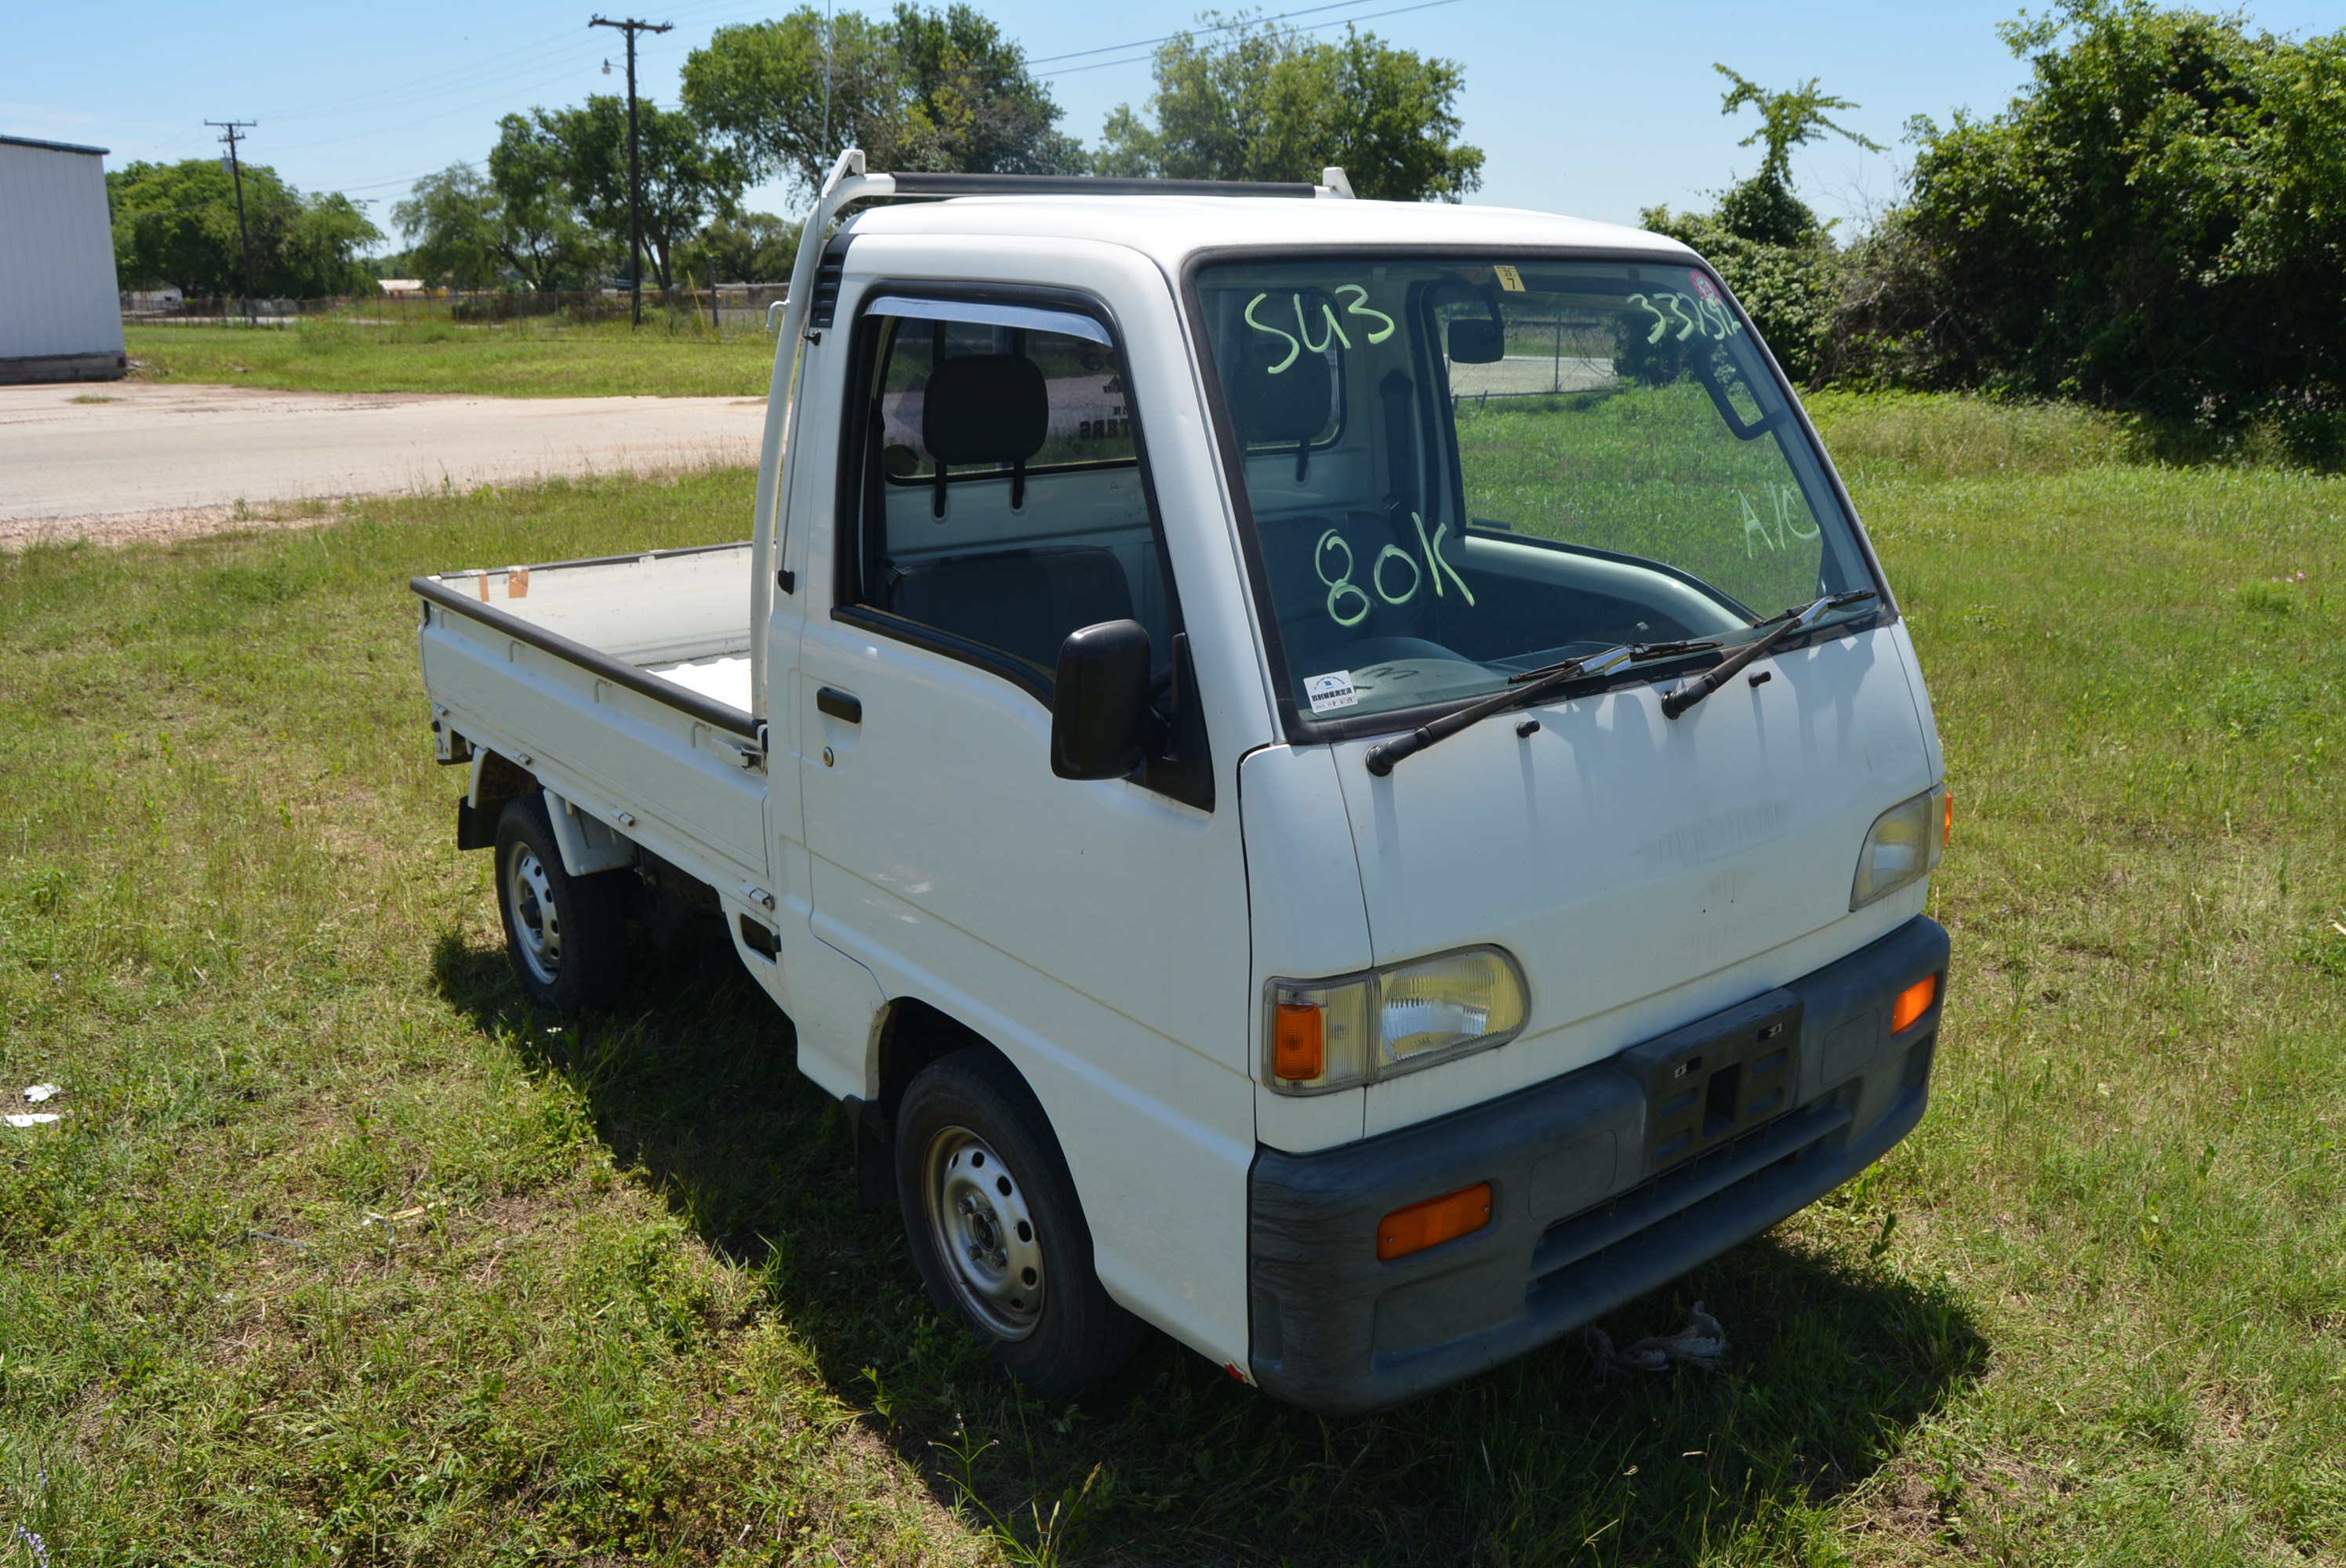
[2154,226]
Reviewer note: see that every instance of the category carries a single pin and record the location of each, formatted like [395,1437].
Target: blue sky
[1588,109]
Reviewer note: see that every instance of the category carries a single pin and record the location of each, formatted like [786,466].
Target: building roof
[1173,228]
[51,146]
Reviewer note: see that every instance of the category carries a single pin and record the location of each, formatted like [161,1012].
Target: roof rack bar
[1092,184]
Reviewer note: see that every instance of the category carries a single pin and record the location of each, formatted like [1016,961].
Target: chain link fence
[730,308]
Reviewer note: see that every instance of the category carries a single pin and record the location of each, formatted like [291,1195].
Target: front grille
[1628,1215]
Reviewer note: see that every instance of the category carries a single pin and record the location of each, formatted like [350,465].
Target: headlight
[1905,843]
[1322,1034]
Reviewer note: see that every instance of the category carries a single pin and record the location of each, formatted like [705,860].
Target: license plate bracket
[1717,1077]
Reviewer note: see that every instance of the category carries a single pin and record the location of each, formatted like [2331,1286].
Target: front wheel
[996,1228]
[567,935]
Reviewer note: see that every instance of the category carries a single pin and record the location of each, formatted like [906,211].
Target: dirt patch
[114,530]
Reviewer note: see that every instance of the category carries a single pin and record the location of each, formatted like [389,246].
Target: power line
[1217,28]
[1224,27]
[476,72]
[503,94]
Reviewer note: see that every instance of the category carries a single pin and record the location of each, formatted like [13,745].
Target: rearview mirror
[1474,342]
[1099,715]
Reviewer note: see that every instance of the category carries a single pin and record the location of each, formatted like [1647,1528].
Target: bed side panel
[604,747]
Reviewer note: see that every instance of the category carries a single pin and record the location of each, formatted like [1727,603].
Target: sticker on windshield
[1509,278]
[1704,287]
[1329,691]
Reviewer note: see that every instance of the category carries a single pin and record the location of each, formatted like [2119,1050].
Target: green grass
[524,358]
[1646,471]
[620,1304]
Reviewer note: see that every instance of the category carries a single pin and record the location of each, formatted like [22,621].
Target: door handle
[842,706]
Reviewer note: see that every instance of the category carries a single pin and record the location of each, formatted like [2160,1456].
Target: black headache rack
[947,185]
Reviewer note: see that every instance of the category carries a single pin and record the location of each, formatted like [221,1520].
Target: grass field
[528,359]
[340,1255]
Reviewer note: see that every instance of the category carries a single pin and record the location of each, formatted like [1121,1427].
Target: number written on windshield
[1348,602]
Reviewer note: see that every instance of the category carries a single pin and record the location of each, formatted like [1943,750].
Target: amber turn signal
[1947,820]
[1299,1047]
[1913,1002]
[1433,1222]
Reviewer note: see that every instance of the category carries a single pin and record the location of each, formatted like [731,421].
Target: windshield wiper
[1527,687]
[1727,669]
[1641,652]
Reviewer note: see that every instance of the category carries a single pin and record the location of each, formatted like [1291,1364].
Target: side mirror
[1474,342]
[1100,713]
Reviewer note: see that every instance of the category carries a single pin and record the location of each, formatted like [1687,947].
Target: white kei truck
[1335,776]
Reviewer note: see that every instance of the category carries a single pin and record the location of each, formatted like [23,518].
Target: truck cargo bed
[623,683]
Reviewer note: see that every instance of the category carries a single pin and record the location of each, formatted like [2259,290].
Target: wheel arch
[910,1034]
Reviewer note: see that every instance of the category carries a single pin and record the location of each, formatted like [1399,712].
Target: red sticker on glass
[1704,287]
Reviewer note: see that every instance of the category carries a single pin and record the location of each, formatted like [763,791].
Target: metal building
[60,311]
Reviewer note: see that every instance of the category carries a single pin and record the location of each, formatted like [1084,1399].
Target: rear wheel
[567,935]
[996,1228]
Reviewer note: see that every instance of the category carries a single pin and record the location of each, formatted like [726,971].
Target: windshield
[1459,472]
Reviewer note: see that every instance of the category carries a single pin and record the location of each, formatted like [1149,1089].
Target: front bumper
[1580,1205]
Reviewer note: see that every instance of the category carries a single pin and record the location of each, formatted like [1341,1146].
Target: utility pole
[228,129]
[635,168]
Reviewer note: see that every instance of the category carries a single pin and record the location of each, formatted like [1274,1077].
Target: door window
[1000,502]
[1003,505]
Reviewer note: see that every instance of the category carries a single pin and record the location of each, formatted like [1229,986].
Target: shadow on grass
[694,1089]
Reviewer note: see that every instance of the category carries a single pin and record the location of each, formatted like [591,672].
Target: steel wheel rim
[538,929]
[981,1227]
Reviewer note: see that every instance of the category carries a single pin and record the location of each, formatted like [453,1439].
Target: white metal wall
[57,293]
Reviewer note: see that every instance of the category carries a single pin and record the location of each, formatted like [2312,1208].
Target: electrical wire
[1193,32]
[1313,28]
[507,95]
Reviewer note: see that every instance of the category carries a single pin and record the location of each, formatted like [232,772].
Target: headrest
[986,407]
[1283,409]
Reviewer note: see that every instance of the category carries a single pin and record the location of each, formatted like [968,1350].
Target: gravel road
[155,461]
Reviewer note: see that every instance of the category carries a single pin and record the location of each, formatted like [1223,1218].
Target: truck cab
[1339,779]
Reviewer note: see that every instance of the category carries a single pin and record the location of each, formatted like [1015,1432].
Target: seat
[1023,601]
[984,409]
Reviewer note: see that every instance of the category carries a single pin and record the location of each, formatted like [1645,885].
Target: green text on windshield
[1458,473]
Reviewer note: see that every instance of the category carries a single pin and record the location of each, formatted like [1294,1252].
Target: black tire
[567,936]
[978,1169]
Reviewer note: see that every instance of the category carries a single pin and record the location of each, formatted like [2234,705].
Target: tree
[2155,224]
[966,104]
[471,232]
[455,222]
[176,224]
[753,248]
[582,154]
[1262,101]
[923,90]
[542,236]
[1767,242]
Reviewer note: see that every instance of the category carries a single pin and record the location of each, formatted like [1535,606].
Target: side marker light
[1298,1050]
[1913,1002]
[1433,1222]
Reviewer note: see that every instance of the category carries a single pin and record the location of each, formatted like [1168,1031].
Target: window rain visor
[1458,473]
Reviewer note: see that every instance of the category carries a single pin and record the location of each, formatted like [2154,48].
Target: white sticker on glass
[1331,691]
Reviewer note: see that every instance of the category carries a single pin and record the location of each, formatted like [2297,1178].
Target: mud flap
[875,1161]
[477,826]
